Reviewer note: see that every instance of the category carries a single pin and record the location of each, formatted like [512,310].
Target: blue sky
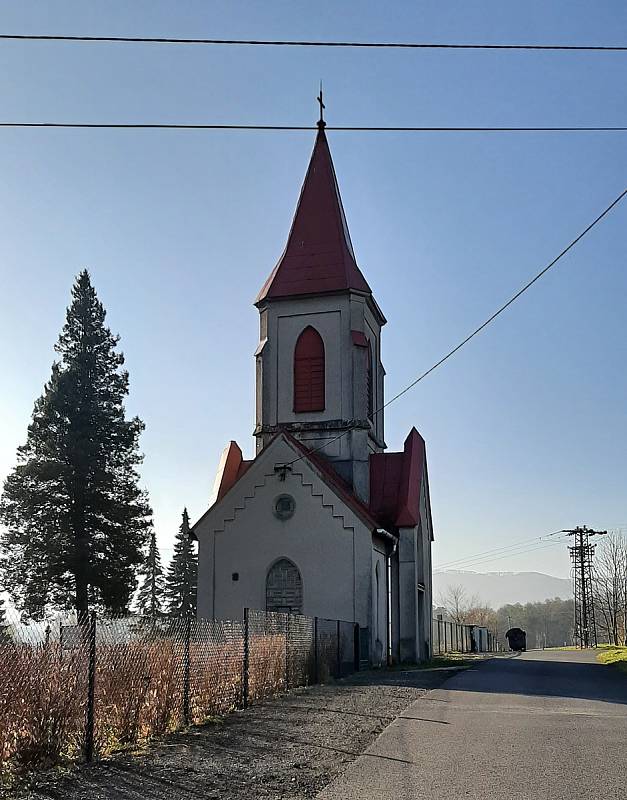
[526,427]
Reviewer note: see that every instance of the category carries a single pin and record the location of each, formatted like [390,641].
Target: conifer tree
[150,595]
[4,625]
[182,578]
[76,520]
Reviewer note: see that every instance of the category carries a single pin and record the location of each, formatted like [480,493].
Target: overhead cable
[481,327]
[480,562]
[347,128]
[536,539]
[591,48]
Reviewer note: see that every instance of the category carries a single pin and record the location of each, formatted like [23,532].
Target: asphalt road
[542,725]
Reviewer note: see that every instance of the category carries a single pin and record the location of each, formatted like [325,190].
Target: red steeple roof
[319,256]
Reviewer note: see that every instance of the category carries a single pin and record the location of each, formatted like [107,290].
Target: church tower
[324,521]
[318,364]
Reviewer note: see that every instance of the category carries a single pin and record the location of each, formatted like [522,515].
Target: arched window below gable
[309,372]
[284,587]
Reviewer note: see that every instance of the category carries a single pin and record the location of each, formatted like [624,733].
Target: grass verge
[615,656]
[458,660]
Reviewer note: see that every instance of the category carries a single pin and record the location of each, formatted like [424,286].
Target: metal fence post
[339,653]
[186,659]
[316,656]
[245,662]
[91,687]
[287,651]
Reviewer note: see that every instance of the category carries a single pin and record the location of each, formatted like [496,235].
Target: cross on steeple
[321,122]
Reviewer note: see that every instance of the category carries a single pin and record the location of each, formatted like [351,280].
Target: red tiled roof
[412,476]
[385,475]
[319,256]
[396,481]
[233,467]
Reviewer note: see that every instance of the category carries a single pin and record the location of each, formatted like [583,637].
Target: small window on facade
[309,377]
[284,506]
[370,384]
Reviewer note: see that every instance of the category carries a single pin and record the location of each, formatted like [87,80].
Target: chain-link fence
[454,637]
[70,691]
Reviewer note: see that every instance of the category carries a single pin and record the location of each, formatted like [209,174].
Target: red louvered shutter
[309,372]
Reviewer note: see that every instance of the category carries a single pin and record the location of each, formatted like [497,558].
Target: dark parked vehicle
[517,639]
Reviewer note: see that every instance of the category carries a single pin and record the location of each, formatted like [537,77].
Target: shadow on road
[531,674]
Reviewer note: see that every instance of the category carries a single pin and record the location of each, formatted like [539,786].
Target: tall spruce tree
[76,520]
[182,578]
[150,595]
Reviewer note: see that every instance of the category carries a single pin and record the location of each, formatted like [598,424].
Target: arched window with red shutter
[309,372]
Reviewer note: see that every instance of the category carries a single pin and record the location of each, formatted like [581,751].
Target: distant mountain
[498,588]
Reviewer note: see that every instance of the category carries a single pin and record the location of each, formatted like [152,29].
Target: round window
[284,506]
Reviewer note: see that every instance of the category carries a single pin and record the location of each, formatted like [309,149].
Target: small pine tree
[76,520]
[182,579]
[150,595]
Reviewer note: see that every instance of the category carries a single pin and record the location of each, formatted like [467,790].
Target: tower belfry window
[309,377]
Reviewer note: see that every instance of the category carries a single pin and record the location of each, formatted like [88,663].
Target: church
[323,521]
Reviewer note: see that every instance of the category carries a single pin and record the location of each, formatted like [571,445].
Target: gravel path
[289,747]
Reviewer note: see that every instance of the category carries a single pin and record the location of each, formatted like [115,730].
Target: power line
[582,557]
[479,562]
[512,299]
[308,43]
[345,128]
[504,552]
[518,553]
[481,327]
[536,539]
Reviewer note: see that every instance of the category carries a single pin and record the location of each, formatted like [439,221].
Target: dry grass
[216,679]
[42,705]
[138,692]
[267,666]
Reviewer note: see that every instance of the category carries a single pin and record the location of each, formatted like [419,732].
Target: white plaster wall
[372,329]
[328,543]
[333,316]
[425,575]
[286,319]
[379,624]
[408,595]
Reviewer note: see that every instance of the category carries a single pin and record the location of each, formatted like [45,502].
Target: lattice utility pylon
[581,556]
